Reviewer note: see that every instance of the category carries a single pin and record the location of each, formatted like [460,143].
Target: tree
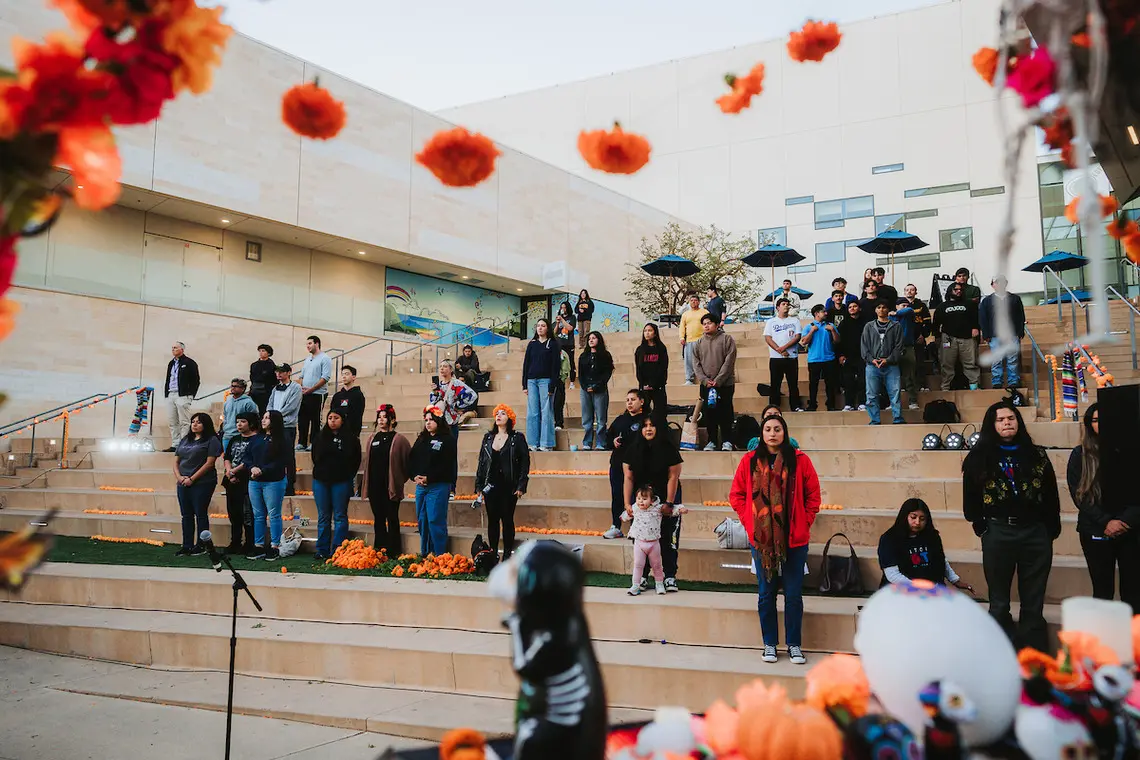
[715,251]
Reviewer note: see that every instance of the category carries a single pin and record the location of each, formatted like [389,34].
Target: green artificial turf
[89,551]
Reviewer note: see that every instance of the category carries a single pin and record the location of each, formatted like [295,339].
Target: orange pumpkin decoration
[459,158]
[815,40]
[311,111]
[985,63]
[794,731]
[616,151]
[462,744]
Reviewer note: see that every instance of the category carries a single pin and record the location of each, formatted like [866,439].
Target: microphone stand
[239,584]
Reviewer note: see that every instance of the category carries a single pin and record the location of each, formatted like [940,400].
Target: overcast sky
[440,53]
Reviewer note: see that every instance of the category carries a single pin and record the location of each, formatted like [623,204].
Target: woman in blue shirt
[196,477]
[266,457]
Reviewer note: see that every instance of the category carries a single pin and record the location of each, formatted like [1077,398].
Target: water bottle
[296,512]
[712,398]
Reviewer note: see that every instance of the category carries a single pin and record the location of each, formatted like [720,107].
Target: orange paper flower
[196,36]
[721,724]
[462,744]
[284,569]
[82,21]
[354,554]
[1118,229]
[815,40]
[459,158]
[616,151]
[311,111]
[95,165]
[1108,206]
[839,681]
[985,63]
[743,89]
[1081,39]
[8,311]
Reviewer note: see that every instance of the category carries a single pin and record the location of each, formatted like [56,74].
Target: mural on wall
[431,308]
[608,317]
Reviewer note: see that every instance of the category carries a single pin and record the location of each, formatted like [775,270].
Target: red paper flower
[142,73]
[1034,77]
[311,111]
[1120,228]
[616,152]
[7,262]
[815,40]
[743,89]
[1058,129]
[54,89]
[459,158]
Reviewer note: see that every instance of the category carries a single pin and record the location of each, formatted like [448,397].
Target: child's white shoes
[634,590]
[660,588]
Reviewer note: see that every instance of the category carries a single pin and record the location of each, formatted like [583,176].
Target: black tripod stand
[218,560]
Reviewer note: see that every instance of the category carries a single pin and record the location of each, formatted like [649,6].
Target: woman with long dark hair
[539,375]
[385,473]
[564,324]
[336,458]
[501,477]
[1107,532]
[196,478]
[432,465]
[584,312]
[1009,495]
[267,456]
[776,494]
[595,368]
[652,459]
[911,549]
[651,360]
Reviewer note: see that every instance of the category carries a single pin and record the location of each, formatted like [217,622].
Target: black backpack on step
[941,412]
[744,429]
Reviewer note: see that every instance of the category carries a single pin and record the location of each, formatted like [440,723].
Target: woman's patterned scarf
[769,520]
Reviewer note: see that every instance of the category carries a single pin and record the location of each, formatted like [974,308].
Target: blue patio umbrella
[1058,261]
[798,291]
[672,266]
[891,242]
[773,256]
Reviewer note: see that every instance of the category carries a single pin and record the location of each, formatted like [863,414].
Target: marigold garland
[615,151]
[115,540]
[126,489]
[445,565]
[311,111]
[815,40]
[569,472]
[113,512]
[459,158]
[743,90]
[354,554]
[832,507]
[1108,206]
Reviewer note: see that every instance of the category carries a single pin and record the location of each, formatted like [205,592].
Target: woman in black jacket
[1107,532]
[651,359]
[432,466]
[595,368]
[262,377]
[501,477]
[267,455]
[1009,494]
[564,323]
[336,458]
[584,312]
[539,376]
[911,549]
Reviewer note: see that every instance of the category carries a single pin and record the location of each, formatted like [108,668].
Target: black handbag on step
[840,576]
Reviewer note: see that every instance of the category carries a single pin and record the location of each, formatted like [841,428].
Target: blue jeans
[455,435]
[791,577]
[431,514]
[1009,363]
[265,499]
[540,413]
[594,408]
[875,379]
[332,512]
[194,503]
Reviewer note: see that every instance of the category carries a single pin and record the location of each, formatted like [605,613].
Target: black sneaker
[183,552]
[256,553]
[272,555]
[671,585]
[197,550]
[234,549]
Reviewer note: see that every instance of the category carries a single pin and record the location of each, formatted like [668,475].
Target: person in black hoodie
[911,549]
[336,458]
[624,430]
[653,459]
[1108,532]
[267,456]
[564,323]
[1009,495]
[349,401]
[957,327]
[432,466]
[235,481]
[262,377]
[539,377]
[651,360]
[501,477]
[851,359]
[595,367]
[584,313]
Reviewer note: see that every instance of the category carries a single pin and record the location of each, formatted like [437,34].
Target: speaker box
[1119,416]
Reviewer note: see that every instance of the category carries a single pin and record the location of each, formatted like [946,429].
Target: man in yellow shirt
[691,332]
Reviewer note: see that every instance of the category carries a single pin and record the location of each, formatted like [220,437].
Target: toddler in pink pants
[646,534]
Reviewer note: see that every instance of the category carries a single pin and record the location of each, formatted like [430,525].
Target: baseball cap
[283,367]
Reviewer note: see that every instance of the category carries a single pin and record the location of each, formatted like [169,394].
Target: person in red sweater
[776,494]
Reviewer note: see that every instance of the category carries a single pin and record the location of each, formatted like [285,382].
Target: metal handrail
[1039,356]
[1074,345]
[1133,312]
[1074,302]
[332,380]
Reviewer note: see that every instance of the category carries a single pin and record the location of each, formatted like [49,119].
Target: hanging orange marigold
[95,165]
[311,111]
[985,63]
[1108,205]
[1118,229]
[1131,244]
[615,151]
[815,40]
[459,158]
[196,37]
[743,89]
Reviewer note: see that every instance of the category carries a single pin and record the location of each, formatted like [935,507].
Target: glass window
[856,243]
[772,236]
[922,214]
[886,168]
[831,252]
[999,190]
[1051,174]
[802,269]
[799,200]
[959,239]
[936,190]
[890,222]
[828,211]
[858,208]
[926,261]
[829,224]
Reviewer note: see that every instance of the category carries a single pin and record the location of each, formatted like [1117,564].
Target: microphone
[207,540]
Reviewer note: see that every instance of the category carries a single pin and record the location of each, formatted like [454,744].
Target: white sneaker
[798,409]
[769,655]
[796,656]
[862,407]
[613,532]
[660,588]
[557,427]
[689,382]
[726,447]
[710,447]
[634,590]
[848,408]
[912,406]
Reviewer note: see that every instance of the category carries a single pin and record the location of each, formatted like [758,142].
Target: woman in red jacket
[776,494]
